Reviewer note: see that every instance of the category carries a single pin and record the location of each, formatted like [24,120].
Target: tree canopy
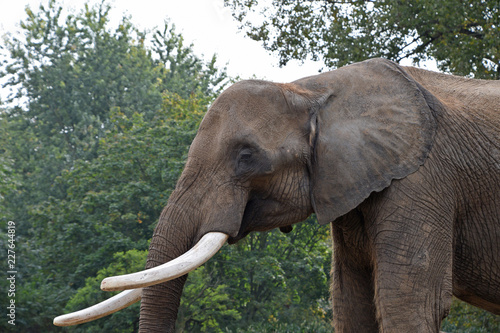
[461,35]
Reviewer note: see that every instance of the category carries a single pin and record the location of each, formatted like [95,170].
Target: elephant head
[268,155]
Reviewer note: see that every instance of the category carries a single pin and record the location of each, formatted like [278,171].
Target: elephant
[402,162]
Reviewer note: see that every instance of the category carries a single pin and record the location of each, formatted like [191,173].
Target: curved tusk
[107,307]
[189,261]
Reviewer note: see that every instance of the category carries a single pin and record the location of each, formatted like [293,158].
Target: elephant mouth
[249,216]
[241,235]
[261,214]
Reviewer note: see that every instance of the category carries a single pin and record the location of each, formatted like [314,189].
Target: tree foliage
[71,73]
[463,36]
[465,318]
[275,278]
[125,320]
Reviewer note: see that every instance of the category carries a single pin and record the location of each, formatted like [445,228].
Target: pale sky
[205,23]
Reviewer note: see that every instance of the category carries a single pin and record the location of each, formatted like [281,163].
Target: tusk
[189,261]
[109,306]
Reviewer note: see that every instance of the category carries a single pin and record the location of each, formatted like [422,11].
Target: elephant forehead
[252,108]
[250,101]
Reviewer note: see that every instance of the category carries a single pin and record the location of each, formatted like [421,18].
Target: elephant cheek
[223,212]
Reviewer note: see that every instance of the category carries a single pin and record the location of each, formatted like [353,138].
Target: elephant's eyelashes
[252,161]
[245,159]
[245,155]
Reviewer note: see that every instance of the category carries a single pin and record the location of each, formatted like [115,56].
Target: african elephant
[402,162]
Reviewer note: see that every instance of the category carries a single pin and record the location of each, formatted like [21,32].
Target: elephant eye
[251,161]
[245,155]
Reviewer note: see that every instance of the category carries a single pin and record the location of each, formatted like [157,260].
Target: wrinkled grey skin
[403,162]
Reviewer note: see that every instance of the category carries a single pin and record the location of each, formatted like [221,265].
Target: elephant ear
[374,125]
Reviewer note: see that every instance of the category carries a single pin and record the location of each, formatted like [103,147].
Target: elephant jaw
[189,261]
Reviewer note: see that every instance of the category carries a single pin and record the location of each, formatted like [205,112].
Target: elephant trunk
[162,301]
[159,306]
[188,233]
[172,237]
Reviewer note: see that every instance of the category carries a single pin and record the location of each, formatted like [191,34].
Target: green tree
[277,282]
[9,179]
[126,320]
[73,71]
[465,318]
[207,304]
[175,60]
[69,73]
[463,36]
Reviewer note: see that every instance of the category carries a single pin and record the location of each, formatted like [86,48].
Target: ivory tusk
[109,306]
[189,261]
